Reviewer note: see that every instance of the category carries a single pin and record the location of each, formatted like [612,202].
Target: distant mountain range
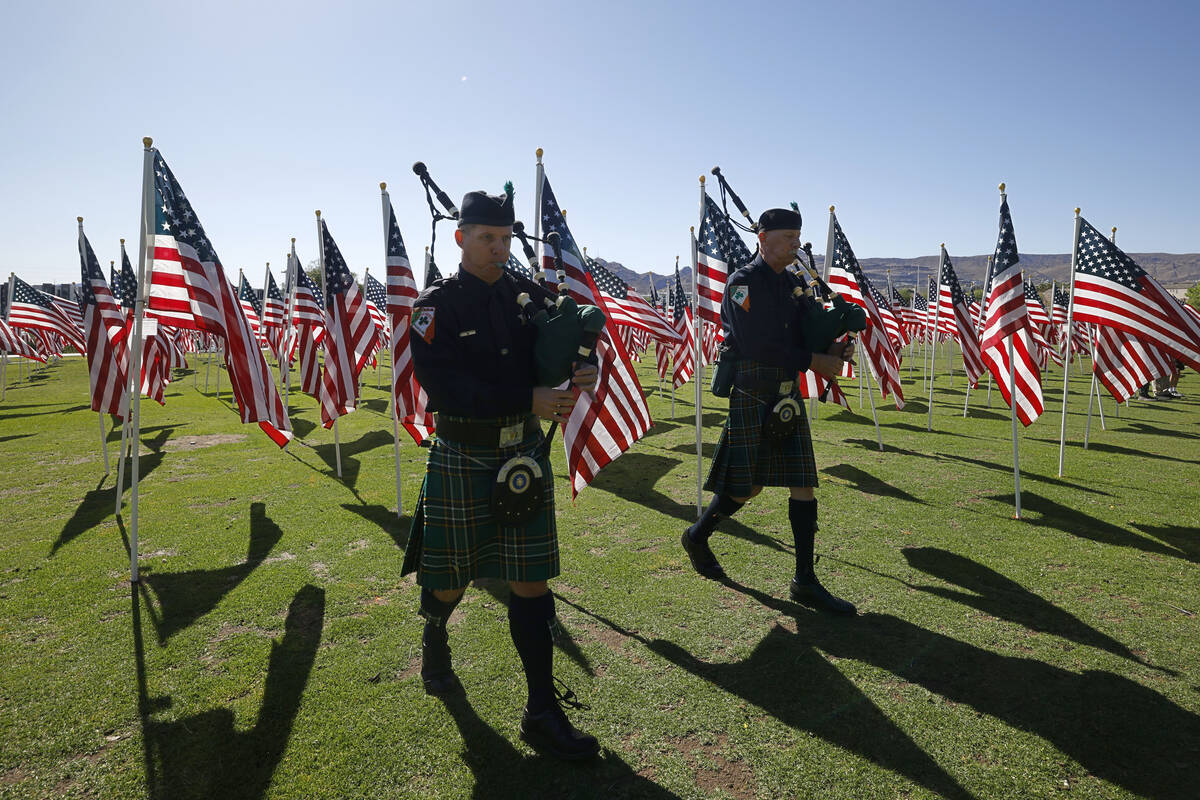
[1170,269]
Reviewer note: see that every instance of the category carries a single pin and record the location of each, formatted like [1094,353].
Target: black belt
[747,384]
[486,433]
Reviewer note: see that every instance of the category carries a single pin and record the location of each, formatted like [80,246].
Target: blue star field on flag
[719,239]
[375,292]
[1099,257]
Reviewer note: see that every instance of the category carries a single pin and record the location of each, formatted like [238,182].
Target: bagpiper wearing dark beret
[766,439]
[473,353]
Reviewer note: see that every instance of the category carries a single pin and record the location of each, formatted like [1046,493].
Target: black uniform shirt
[762,319]
[472,348]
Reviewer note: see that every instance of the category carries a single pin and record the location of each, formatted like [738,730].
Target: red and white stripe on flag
[683,354]
[1124,362]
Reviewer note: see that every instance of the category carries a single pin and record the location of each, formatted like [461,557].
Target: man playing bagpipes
[766,439]
[486,508]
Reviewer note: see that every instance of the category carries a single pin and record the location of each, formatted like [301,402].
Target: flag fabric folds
[683,353]
[104,327]
[188,289]
[1124,363]
[600,428]
[719,252]
[956,321]
[408,397]
[847,278]
[625,307]
[349,334]
[274,311]
[1110,289]
[33,309]
[1008,318]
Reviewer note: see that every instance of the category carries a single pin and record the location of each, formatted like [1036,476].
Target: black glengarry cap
[779,219]
[481,208]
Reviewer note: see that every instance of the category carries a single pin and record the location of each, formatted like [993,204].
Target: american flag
[1058,310]
[376,302]
[627,335]
[33,309]
[1124,363]
[600,428]
[308,327]
[188,289]
[931,308]
[1042,330]
[408,398]
[156,361]
[350,335]
[812,385]
[719,252]
[12,342]
[920,316]
[70,309]
[128,289]
[683,353]
[1007,317]
[250,306]
[956,319]
[51,343]
[625,307]
[847,278]
[274,311]
[104,326]
[1033,302]
[893,321]
[1110,289]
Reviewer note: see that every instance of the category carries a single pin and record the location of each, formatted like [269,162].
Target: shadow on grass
[1105,447]
[301,427]
[350,465]
[998,595]
[205,755]
[1141,427]
[100,503]
[14,436]
[868,483]
[1186,540]
[396,526]
[1112,726]
[72,409]
[824,702]
[634,477]
[1076,523]
[497,764]
[374,405]
[184,597]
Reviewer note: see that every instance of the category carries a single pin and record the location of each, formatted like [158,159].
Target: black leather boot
[805,588]
[544,725]
[436,672]
[695,538]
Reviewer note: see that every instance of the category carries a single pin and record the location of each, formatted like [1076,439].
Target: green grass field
[272,648]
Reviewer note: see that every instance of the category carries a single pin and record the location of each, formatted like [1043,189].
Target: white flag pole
[292,332]
[7,307]
[145,253]
[698,371]
[100,414]
[1094,390]
[1062,433]
[386,201]
[1012,391]
[130,386]
[937,312]
[263,322]
[337,443]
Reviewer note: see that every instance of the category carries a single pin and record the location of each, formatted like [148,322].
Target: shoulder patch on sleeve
[423,322]
[741,295]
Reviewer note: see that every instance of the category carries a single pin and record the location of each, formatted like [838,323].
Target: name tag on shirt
[467,333]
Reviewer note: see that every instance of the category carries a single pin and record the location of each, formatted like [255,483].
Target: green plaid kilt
[453,538]
[744,457]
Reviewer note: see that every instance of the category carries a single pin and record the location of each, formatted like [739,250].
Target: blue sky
[904,115]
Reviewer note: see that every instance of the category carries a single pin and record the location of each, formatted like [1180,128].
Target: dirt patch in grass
[284,556]
[198,442]
[14,775]
[359,545]
[712,769]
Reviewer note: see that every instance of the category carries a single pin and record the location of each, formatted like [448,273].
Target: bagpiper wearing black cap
[766,440]
[473,353]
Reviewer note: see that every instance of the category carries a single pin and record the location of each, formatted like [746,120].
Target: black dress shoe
[702,558]
[552,733]
[807,590]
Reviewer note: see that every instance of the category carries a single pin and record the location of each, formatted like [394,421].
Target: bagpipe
[566,336]
[821,326]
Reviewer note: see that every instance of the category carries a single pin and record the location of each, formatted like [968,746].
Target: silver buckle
[786,387]
[512,434]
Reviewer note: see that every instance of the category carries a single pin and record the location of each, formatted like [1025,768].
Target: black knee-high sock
[529,620]
[722,506]
[435,612]
[803,516]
